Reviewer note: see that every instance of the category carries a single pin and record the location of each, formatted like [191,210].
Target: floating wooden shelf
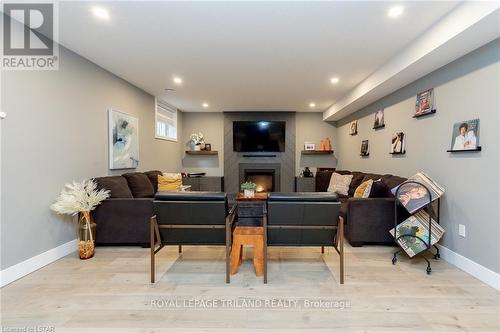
[364,155]
[424,114]
[317,152]
[202,152]
[378,127]
[355,133]
[403,153]
[464,150]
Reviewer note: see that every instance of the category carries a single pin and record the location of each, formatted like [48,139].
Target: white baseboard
[12,273]
[473,268]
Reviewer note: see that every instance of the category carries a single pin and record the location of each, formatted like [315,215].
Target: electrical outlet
[461,230]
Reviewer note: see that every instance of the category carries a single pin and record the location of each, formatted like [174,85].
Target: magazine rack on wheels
[430,211]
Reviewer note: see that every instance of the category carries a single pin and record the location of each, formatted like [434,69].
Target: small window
[166,121]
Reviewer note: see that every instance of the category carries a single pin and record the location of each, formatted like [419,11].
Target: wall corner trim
[482,273]
[17,271]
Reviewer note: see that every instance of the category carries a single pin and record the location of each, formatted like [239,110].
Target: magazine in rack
[413,196]
[417,225]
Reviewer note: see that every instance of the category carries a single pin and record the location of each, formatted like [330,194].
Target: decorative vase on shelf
[196,147]
[86,236]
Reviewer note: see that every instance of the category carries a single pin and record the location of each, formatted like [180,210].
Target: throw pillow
[363,190]
[339,183]
[116,185]
[169,182]
[379,189]
[139,185]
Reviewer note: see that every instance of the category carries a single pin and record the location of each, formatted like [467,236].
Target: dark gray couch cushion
[139,185]
[378,190]
[323,180]
[153,178]
[391,182]
[357,179]
[116,185]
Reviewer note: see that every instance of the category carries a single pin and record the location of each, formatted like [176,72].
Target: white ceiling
[266,56]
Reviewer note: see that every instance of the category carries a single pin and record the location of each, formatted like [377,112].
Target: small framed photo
[309,146]
[379,121]
[425,103]
[208,147]
[364,148]
[353,127]
[398,143]
[465,136]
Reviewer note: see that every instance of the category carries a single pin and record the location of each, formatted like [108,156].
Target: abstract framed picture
[123,134]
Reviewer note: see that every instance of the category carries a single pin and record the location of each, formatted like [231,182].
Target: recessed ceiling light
[177,80]
[205,105]
[100,12]
[395,11]
[334,80]
[312,105]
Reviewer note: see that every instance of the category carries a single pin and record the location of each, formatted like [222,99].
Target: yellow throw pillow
[363,190]
[169,182]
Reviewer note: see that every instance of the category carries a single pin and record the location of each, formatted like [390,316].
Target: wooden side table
[248,236]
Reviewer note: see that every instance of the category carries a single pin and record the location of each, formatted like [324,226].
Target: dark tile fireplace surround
[265,175]
[275,170]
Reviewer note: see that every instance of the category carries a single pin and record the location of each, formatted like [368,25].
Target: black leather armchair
[305,219]
[191,218]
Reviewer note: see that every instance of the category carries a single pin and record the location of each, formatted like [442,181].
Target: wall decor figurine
[379,120]
[465,136]
[398,144]
[425,103]
[123,133]
[353,127]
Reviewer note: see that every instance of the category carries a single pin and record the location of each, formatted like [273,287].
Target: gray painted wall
[465,89]
[56,131]
[312,128]
[211,124]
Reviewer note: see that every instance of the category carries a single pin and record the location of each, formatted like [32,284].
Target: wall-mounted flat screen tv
[259,136]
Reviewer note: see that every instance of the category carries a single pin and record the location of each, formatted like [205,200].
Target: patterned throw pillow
[169,182]
[363,190]
[339,183]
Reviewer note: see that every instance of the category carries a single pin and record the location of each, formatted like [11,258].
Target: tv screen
[259,136]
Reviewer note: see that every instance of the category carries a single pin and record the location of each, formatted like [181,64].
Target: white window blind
[166,121]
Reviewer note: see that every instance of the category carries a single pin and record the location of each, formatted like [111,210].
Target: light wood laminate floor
[112,293]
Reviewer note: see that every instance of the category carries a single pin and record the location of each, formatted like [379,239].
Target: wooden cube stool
[248,236]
